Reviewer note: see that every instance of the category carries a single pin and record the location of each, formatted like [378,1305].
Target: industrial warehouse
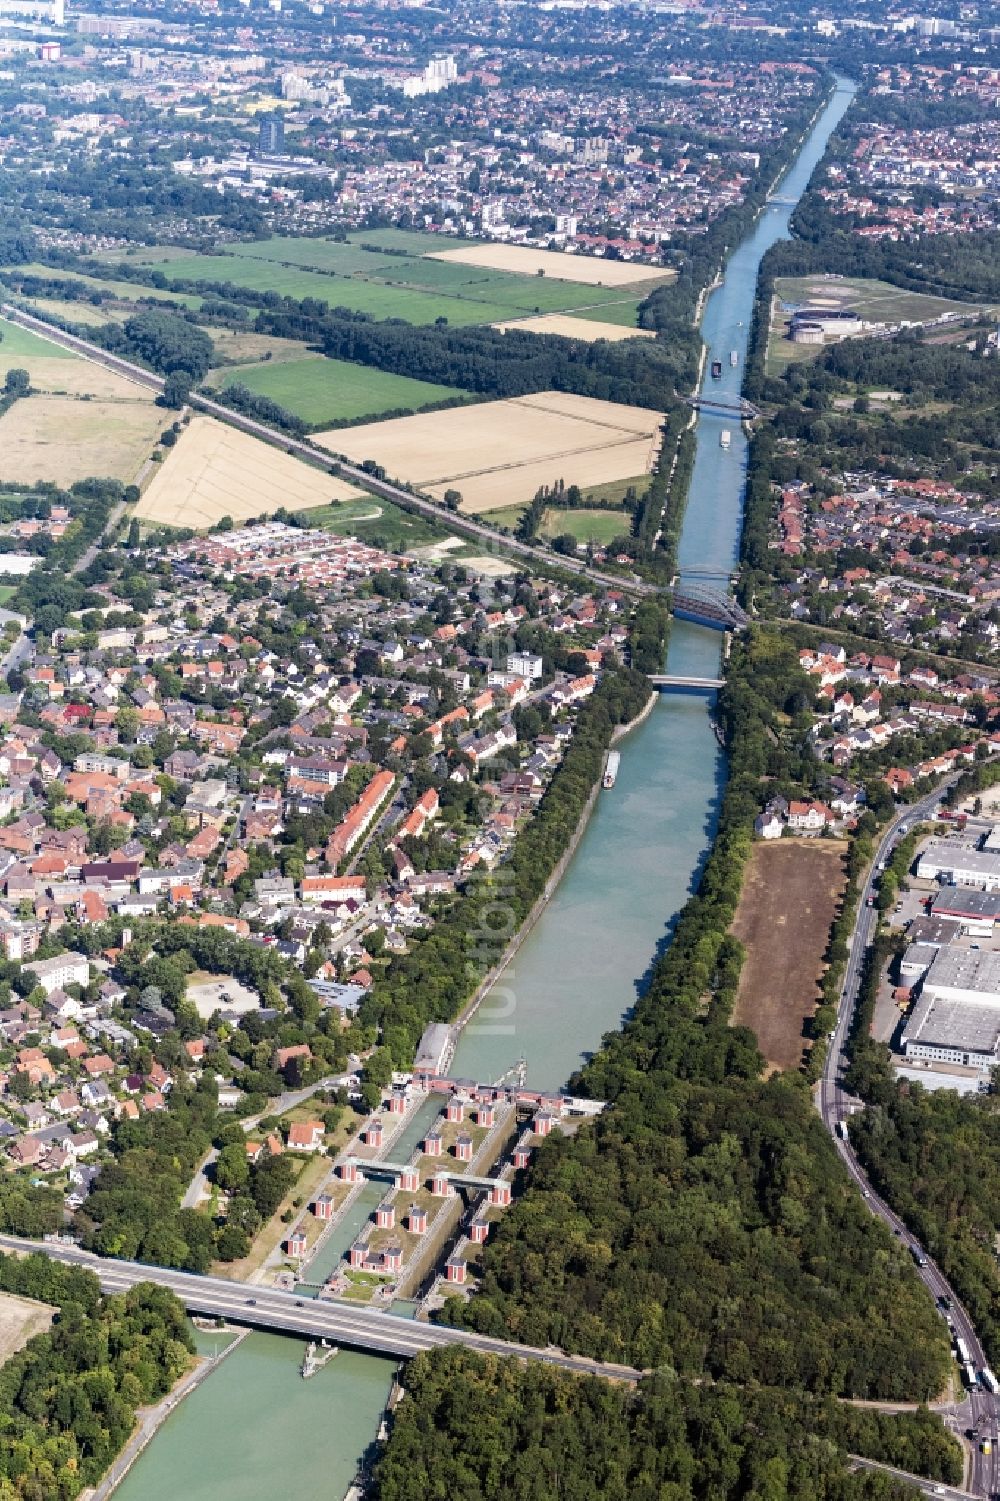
[949,974]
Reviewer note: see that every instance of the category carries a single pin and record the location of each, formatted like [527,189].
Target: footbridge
[737,407]
[703,605]
[678,683]
[383,1169]
[378,1332]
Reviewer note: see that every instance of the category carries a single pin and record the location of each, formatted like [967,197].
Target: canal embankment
[151,1418]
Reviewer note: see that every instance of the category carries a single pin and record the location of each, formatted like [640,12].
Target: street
[980,1410]
[312,1318]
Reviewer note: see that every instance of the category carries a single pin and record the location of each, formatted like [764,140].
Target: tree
[232,1243]
[232,1171]
[169,343]
[18,382]
[176,388]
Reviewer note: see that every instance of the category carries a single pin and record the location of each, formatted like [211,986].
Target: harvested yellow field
[20,1320]
[215,471]
[82,378]
[498,453]
[64,438]
[586,269]
[586,329]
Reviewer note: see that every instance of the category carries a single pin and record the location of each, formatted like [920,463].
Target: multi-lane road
[980,1411]
[312,1318]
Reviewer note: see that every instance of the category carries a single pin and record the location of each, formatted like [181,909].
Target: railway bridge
[698,602]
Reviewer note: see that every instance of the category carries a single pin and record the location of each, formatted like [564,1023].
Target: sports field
[586,526]
[321,390]
[497,453]
[586,269]
[215,471]
[588,329]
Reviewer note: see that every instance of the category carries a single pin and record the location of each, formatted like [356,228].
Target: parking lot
[222,993]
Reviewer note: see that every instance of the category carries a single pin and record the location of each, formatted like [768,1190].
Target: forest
[495,1431]
[68,1400]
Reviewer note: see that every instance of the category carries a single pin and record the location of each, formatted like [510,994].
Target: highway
[980,1411]
[455,521]
[266,1308]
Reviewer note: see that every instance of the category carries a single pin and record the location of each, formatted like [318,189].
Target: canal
[254,1429]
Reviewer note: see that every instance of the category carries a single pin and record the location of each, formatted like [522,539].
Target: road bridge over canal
[681,684]
[378,1332]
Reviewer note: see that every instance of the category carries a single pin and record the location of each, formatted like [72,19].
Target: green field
[7,591]
[412,240]
[615,489]
[378,522]
[504,516]
[17,343]
[624,311]
[320,390]
[584,525]
[412,287]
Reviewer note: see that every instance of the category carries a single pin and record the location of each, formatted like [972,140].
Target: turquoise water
[254,1430]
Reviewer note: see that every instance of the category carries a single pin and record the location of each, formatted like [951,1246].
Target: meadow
[125,290]
[20,346]
[419,285]
[85,420]
[379,523]
[321,391]
[584,525]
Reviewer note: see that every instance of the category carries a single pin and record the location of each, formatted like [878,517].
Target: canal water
[577,973]
[254,1430]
